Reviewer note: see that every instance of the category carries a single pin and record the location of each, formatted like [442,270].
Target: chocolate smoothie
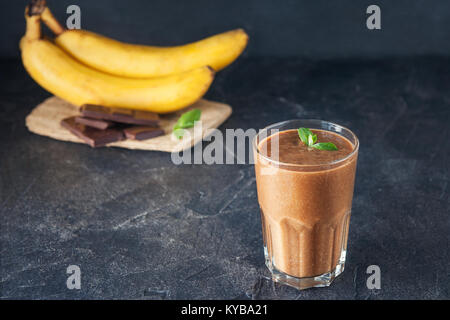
[305,198]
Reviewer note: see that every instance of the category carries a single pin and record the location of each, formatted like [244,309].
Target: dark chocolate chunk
[120,115]
[142,132]
[94,123]
[93,137]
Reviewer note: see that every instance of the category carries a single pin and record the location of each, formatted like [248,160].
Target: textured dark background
[141,228]
[319,29]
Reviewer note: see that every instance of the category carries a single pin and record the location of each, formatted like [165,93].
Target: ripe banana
[67,78]
[140,61]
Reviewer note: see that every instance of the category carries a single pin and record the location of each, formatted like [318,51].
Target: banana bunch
[86,68]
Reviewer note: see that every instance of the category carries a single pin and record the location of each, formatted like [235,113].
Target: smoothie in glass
[305,195]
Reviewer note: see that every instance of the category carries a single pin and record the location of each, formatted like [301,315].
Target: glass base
[323,280]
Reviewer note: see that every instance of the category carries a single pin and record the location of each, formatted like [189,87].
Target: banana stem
[33,29]
[52,23]
[33,19]
[35,7]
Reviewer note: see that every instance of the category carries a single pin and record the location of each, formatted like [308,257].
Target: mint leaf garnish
[310,139]
[304,133]
[325,146]
[187,120]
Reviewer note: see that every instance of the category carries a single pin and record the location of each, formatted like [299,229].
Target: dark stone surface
[142,228]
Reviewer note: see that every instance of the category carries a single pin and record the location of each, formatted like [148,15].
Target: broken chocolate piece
[94,123]
[120,115]
[93,137]
[142,132]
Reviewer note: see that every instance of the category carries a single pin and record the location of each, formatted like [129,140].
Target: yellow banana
[67,78]
[140,61]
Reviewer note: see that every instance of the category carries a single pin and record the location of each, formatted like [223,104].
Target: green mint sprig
[187,120]
[310,140]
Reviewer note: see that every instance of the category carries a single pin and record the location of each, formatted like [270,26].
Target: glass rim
[287,164]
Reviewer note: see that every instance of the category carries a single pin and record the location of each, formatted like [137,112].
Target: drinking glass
[305,209]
